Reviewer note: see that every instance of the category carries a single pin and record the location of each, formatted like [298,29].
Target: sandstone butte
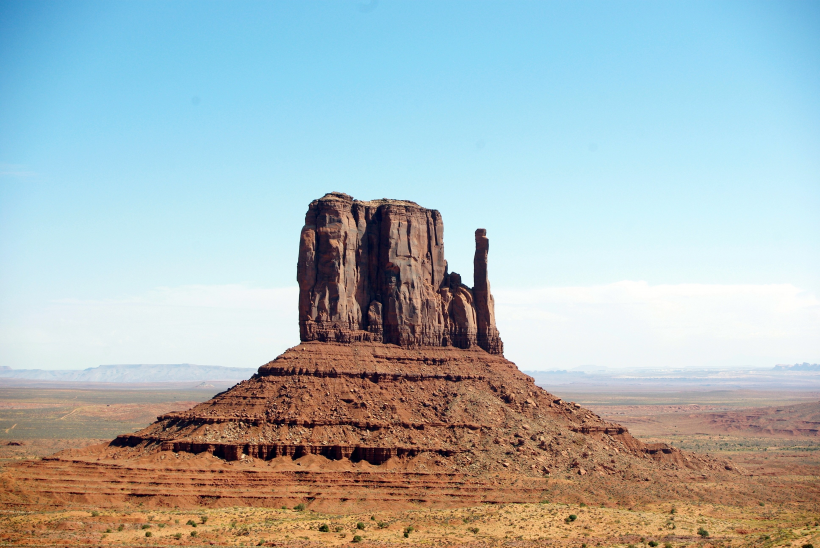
[398,395]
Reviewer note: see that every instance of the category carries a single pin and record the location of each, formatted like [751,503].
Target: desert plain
[766,435]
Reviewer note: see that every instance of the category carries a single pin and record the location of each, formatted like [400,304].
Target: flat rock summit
[398,394]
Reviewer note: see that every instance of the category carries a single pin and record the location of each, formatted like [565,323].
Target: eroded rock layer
[370,424]
[374,402]
[375,271]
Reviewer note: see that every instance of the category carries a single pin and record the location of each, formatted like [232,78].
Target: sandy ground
[545,524]
[773,462]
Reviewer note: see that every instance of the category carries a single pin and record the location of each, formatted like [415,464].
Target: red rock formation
[375,272]
[400,375]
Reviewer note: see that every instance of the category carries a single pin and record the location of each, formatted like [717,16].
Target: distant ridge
[805,366]
[134,373]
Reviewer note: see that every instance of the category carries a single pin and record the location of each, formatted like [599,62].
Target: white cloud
[624,324]
[231,325]
[634,324]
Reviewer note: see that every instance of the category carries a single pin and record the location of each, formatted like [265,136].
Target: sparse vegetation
[299,507]
[524,524]
[356,538]
[703,532]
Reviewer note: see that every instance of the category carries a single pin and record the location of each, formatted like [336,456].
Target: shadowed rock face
[375,272]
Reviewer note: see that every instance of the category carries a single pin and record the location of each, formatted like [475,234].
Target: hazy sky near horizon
[648,173]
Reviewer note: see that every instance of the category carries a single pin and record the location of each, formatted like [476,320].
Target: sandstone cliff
[375,272]
[398,394]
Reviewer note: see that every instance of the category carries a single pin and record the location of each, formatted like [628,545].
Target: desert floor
[762,432]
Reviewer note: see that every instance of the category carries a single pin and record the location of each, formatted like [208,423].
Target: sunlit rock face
[375,271]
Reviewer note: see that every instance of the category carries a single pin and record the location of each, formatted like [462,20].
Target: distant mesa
[375,272]
[805,366]
[133,373]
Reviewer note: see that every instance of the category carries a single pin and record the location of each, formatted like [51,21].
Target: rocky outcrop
[375,272]
[398,392]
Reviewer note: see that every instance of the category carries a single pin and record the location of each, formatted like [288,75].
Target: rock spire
[375,271]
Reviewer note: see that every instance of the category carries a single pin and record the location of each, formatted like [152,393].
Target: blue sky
[148,148]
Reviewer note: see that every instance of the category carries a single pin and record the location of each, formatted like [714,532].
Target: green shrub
[193,533]
[299,507]
[191,522]
[203,519]
[703,532]
[121,527]
[356,538]
[473,530]
[407,531]
[148,533]
[382,524]
[324,528]
[570,518]
[178,536]
[94,514]
[146,526]
[653,543]
[360,526]
[108,530]
[372,518]
[667,545]
[809,545]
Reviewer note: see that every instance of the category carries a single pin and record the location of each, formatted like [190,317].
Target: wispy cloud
[629,324]
[624,324]
[232,325]
[16,170]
